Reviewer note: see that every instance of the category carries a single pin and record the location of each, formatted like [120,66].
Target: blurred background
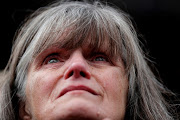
[157,23]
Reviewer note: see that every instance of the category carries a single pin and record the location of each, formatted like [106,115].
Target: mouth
[76,88]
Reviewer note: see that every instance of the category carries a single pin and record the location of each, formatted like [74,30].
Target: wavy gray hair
[81,20]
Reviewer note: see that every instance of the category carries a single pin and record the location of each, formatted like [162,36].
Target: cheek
[115,87]
[40,86]
[114,81]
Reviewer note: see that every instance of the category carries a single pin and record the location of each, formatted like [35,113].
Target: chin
[79,109]
[80,116]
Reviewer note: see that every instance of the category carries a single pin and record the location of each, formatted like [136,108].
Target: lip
[74,88]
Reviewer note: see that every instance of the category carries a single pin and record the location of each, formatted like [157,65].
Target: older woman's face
[65,84]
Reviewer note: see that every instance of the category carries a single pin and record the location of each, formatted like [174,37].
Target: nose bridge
[77,57]
[77,66]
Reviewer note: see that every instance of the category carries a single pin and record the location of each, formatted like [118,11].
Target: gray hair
[77,21]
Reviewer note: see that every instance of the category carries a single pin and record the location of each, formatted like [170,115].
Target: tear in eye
[53,60]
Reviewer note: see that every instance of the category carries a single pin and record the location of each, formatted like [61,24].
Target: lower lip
[77,92]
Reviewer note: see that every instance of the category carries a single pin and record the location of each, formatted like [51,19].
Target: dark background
[157,22]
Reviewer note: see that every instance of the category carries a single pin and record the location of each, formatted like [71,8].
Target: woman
[80,60]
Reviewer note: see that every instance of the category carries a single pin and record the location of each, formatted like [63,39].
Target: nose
[77,67]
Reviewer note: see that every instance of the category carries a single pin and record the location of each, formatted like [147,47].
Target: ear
[24,112]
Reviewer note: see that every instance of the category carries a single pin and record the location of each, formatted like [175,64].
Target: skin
[49,74]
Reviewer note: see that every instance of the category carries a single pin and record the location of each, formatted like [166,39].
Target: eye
[52,58]
[100,58]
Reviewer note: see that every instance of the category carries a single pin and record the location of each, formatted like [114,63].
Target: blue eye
[100,58]
[53,60]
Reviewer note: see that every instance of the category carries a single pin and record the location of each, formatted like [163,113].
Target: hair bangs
[81,30]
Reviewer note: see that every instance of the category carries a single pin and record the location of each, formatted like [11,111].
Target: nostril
[76,71]
[77,74]
[71,74]
[82,74]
